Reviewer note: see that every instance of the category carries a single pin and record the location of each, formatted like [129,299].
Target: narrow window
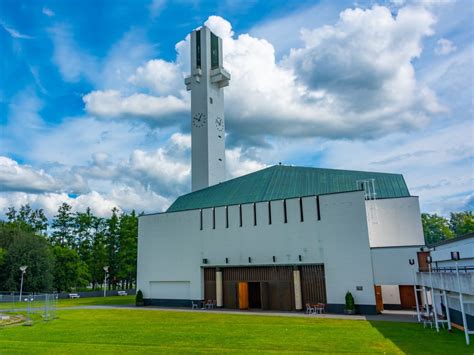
[301,210]
[210,100]
[240,213]
[226,216]
[198,49]
[254,214]
[213,218]
[200,217]
[317,208]
[285,216]
[269,212]
[214,51]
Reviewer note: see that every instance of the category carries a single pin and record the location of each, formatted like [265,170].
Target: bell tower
[206,83]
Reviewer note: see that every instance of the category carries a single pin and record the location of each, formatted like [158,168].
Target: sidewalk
[389,316]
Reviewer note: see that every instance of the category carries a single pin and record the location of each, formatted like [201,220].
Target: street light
[106,269]
[23,271]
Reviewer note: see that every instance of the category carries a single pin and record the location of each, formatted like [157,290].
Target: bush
[350,306]
[139,299]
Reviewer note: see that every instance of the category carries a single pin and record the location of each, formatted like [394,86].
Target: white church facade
[280,237]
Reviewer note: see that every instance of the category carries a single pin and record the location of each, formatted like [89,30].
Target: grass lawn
[151,331]
[88,301]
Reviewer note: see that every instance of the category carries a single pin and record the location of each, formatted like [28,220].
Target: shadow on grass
[413,338]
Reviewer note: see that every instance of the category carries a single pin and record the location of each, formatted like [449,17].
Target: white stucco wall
[394,222]
[392,267]
[442,253]
[171,246]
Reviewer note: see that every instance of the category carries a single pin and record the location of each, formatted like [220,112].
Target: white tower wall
[206,83]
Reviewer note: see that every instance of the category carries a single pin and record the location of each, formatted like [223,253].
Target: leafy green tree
[461,222]
[112,240]
[28,218]
[23,247]
[435,228]
[69,270]
[127,253]
[63,227]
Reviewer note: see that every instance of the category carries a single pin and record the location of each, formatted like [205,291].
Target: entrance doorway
[255,298]
[378,299]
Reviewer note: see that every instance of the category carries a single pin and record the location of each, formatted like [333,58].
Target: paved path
[389,316]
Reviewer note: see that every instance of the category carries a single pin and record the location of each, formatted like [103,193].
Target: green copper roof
[280,182]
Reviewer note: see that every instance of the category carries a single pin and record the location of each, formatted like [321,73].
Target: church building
[278,238]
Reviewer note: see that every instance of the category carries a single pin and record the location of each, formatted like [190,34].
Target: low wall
[448,281]
[96,293]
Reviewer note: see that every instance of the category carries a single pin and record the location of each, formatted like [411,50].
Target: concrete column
[297,287]
[219,299]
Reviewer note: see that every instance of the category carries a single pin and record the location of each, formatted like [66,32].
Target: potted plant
[350,306]
[139,299]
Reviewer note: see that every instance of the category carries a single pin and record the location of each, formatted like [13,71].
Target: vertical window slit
[301,210]
[213,218]
[269,212]
[318,212]
[285,216]
[227,216]
[240,215]
[254,214]
[198,49]
[200,217]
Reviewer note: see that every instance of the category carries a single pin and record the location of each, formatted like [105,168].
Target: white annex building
[280,237]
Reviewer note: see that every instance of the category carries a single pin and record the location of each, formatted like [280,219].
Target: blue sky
[93,109]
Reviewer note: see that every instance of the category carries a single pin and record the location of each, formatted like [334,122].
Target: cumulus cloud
[353,79]
[111,103]
[444,46]
[14,177]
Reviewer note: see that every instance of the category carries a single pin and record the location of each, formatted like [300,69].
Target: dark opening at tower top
[214,51]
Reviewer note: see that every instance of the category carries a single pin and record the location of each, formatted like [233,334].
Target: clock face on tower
[219,124]
[199,119]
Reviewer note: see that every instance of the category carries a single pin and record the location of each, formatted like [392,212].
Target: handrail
[462,269]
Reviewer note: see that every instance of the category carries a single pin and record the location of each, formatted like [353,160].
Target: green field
[152,331]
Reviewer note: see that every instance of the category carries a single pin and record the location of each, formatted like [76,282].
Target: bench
[122,293]
[74,295]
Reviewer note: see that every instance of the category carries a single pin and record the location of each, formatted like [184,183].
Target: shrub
[139,299]
[349,302]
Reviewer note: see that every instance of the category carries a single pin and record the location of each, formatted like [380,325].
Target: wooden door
[243,295]
[407,296]
[378,299]
[422,264]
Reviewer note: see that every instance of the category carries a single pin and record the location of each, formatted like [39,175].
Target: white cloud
[14,33]
[15,177]
[111,103]
[156,7]
[444,46]
[160,76]
[48,12]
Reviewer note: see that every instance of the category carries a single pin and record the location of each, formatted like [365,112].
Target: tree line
[68,253]
[438,228]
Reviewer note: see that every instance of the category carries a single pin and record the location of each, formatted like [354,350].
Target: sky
[94,111]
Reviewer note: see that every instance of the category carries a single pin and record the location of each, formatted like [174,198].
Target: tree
[28,219]
[69,270]
[461,222]
[112,240]
[23,247]
[63,227]
[127,253]
[435,228]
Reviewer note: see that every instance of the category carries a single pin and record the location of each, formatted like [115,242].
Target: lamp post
[429,260]
[23,271]
[412,263]
[455,257]
[106,269]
